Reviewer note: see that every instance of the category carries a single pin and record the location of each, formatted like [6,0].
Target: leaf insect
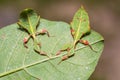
[79,27]
[29,21]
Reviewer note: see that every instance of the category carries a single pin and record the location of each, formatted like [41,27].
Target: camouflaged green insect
[80,26]
[29,21]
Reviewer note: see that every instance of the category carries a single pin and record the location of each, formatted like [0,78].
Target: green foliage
[19,63]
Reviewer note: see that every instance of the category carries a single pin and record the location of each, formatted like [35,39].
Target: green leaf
[19,63]
[80,24]
[29,20]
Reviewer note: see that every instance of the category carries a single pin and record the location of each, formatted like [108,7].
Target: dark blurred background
[104,18]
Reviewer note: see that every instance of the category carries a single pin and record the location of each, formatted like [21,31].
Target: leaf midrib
[38,62]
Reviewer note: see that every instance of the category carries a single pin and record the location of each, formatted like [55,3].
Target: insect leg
[25,40]
[70,53]
[85,42]
[43,31]
[37,48]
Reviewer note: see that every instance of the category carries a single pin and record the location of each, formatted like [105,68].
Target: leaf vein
[11,52]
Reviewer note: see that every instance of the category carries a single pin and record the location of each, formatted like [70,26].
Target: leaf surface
[19,63]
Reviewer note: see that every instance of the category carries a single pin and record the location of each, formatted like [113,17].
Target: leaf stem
[29,65]
[44,60]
